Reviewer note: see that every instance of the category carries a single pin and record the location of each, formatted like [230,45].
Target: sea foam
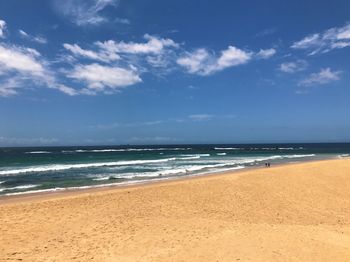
[17,187]
[38,152]
[126,150]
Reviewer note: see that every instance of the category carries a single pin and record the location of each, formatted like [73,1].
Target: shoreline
[71,192]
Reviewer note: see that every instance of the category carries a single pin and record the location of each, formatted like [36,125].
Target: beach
[291,212]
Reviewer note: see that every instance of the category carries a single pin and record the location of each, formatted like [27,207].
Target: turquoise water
[25,170]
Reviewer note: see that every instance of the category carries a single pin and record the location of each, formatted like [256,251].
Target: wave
[60,167]
[296,156]
[249,160]
[221,154]
[126,150]
[38,152]
[156,177]
[17,187]
[102,178]
[189,158]
[58,189]
[134,178]
[168,172]
[197,168]
[193,156]
[227,148]
[256,148]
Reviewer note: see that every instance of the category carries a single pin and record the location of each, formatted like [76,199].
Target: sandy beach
[294,212]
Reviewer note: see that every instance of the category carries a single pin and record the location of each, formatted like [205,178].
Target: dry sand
[298,212]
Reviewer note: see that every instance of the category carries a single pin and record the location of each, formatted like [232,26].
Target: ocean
[44,169]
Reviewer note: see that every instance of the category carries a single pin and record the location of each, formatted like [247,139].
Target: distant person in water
[268,164]
[265,164]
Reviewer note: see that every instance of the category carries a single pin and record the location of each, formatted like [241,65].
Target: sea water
[29,170]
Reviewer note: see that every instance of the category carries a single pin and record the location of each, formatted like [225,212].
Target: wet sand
[294,212]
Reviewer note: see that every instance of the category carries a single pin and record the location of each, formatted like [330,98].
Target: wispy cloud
[293,67]
[122,21]
[132,124]
[179,120]
[266,32]
[37,39]
[200,117]
[154,45]
[156,51]
[20,141]
[155,55]
[153,140]
[2,28]
[266,53]
[333,38]
[202,62]
[8,87]
[20,66]
[325,76]
[104,55]
[84,12]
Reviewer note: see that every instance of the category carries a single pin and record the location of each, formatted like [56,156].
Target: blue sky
[95,72]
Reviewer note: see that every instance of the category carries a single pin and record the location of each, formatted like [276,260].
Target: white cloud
[195,62]
[22,67]
[158,61]
[24,60]
[67,90]
[154,45]
[37,39]
[179,120]
[124,62]
[266,32]
[128,125]
[9,86]
[84,12]
[104,78]
[232,56]
[308,42]
[292,67]
[2,28]
[201,62]
[157,53]
[340,45]
[334,38]
[122,21]
[16,141]
[266,53]
[104,55]
[325,76]
[200,117]
[152,140]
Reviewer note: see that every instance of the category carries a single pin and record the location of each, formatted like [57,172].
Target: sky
[109,72]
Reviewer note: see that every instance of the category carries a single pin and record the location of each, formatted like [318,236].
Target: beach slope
[295,212]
